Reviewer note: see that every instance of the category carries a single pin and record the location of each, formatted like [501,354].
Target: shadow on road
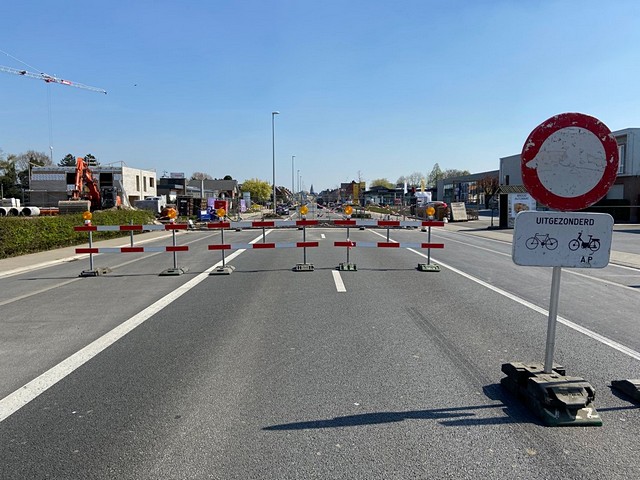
[453,417]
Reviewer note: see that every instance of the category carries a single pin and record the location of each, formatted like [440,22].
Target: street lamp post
[293,187]
[273,148]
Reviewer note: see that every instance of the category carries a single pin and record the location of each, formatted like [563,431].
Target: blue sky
[365,89]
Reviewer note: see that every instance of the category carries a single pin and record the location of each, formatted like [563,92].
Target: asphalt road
[272,373]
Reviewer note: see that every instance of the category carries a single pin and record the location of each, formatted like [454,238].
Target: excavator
[86,192]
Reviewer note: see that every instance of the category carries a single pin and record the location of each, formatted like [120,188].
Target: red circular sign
[569,161]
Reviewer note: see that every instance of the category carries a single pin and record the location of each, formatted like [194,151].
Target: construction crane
[49,79]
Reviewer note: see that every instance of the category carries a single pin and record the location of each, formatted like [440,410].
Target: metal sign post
[553,320]
[568,163]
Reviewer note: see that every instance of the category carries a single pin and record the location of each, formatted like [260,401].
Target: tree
[68,161]
[435,175]
[489,186]
[201,176]
[228,177]
[33,158]
[452,172]
[25,161]
[259,190]
[381,182]
[91,161]
[415,178]
[9,177]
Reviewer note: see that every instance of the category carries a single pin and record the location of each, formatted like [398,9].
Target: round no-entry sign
[569,161]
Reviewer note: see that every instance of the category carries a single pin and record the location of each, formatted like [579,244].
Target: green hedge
[23,235]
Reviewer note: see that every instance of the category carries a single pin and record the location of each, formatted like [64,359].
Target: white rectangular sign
[562,239]
[521,202]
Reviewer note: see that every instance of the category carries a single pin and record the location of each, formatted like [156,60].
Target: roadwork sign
[562,239]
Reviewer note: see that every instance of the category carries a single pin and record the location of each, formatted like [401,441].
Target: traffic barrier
[388,224]
[263,224]
[301,224]
[91,250]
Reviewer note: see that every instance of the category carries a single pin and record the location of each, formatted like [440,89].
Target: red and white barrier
[91,250]
[351,244]
[314,223]
[171,248]
[261,246]
[387,223]
[131,228]
[263,224]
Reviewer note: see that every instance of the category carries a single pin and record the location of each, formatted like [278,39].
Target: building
[622,201]
[175,186]
[51,184]
[222,189]
[380,195]
[473,189]
[352,192]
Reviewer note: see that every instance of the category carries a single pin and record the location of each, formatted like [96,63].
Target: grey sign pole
[553,319]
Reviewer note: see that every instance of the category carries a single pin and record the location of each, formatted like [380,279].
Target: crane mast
[49,79]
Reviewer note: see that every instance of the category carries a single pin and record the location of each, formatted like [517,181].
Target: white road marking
[58,261]
[462,232]
[567,270]
[58,285]
[18,399]
[578,328]
[338,281]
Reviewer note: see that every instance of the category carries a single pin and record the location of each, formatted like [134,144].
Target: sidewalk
[32,261]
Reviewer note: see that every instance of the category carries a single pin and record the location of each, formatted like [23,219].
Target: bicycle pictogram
[592,244]
[541,240]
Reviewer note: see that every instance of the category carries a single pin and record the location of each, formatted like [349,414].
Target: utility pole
[273,148]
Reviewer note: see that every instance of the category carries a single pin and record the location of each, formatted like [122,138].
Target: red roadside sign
[569,161]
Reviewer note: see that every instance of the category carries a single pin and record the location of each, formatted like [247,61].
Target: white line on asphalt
[18,399]
[38,292]
[58,285]
[338,281]
[578,328]
[58,261]
[569,271]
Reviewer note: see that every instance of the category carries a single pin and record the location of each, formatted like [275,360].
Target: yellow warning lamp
[348,209]
[172,214]
[87,216]
[431,211]
[221,212]
[304,210]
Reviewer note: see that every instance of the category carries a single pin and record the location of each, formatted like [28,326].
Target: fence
[223,247]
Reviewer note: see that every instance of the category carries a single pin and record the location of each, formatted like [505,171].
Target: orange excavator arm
[84,177]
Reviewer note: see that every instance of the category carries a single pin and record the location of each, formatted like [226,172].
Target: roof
[511,189]
[226,185]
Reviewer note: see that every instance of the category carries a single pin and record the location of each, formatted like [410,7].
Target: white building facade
[623,199]
[49,185]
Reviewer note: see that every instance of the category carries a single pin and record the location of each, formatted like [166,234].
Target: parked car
[282,210]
